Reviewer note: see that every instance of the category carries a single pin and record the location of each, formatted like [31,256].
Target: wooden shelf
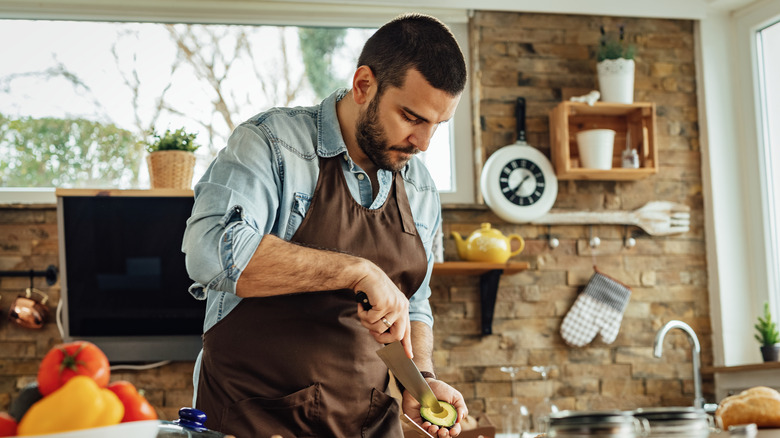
[636,119]
[477,268]
[489,276]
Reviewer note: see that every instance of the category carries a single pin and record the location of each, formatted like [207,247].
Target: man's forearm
[422,344]
[279,267]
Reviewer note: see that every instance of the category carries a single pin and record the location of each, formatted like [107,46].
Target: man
[304,208]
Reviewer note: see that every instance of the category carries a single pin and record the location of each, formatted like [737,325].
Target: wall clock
[518,182]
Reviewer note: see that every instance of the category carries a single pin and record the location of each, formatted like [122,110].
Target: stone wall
[544,58]
[28,240]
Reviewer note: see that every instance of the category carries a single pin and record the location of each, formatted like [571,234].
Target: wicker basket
[171,169]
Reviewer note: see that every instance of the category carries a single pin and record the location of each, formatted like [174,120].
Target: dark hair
[415,41]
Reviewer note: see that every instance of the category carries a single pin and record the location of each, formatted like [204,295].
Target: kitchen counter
[762,433]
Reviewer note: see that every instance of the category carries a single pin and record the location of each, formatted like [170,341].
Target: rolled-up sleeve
[419,306]
[236,204]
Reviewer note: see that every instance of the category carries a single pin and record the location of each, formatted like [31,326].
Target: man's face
[400,123]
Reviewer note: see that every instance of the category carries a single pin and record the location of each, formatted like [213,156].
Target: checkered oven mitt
[598,308]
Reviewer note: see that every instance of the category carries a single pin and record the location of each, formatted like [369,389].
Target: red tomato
[137,408]
[64,361]
[7,425]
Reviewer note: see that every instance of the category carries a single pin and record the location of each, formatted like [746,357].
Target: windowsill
[742,368]
[27,196]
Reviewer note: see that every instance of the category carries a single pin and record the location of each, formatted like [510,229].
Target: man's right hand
[388,318]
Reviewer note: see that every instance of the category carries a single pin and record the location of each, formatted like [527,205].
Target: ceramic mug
[595,147]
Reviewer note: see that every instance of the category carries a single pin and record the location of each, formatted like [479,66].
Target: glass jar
[688,422]
[603,424]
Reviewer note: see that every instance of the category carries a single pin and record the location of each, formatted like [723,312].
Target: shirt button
[361,176]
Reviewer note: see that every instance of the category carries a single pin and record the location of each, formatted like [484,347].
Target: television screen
[124,281]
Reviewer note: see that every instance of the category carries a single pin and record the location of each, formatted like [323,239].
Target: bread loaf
[759,405]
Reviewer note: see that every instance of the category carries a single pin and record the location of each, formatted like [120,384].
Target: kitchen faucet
[658,347]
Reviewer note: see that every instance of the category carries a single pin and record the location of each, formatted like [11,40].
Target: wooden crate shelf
[638,119]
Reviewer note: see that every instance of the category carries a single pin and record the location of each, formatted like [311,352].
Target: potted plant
[768,336]
[616,68]
[171,159]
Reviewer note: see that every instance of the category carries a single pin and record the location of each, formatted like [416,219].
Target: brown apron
[302,365]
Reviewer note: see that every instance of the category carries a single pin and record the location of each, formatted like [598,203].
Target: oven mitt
[599,308]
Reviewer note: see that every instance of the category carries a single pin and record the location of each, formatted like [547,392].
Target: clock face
[518,183]
[522,182]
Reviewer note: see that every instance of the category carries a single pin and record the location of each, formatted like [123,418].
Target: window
[737,64]
[768,69]
[72,108]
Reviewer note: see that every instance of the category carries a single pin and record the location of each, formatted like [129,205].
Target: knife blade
[404,369]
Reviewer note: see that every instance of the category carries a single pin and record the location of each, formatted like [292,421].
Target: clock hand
[521,184]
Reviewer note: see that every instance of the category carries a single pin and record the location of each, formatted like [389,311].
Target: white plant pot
[595,147]
[616,80]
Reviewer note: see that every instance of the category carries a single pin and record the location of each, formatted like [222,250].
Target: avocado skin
[26,398]
[441,422]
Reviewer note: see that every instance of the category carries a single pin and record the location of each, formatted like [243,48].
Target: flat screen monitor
[123,277]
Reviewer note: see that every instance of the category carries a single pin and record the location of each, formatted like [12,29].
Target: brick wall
[548,58]
[28,240]
[544,58]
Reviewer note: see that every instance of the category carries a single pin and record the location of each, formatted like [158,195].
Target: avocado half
[445,418]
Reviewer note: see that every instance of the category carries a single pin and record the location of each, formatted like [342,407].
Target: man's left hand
[443,392]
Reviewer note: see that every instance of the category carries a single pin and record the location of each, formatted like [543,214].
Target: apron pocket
[292,416]
[384,417]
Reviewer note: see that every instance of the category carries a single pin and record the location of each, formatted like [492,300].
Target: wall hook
[552,241]
[628,240]
[594,240]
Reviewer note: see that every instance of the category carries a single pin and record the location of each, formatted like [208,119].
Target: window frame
[264,13]
[738,237]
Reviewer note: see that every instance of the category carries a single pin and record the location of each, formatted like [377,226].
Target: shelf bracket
[488,289]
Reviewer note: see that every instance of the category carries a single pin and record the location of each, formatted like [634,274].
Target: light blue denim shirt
[262,183]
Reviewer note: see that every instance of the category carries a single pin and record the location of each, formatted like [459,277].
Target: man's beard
[372,140]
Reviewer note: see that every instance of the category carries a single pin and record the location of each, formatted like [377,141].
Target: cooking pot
[687,422]
[189,424]
[604,424]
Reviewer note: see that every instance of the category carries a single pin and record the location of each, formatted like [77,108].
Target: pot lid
[671,413]
[590,417]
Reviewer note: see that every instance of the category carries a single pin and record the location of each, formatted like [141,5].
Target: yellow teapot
[487,245]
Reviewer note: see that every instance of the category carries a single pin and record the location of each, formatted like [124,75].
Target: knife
[404,369]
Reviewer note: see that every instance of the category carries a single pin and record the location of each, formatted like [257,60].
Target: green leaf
[766,328]
[178,140]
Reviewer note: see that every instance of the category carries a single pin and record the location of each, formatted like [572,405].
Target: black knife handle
[362,298]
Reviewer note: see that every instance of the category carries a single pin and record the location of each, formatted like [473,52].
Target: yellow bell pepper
[79,404]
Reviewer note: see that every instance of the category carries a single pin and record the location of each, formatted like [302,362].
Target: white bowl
[133,429]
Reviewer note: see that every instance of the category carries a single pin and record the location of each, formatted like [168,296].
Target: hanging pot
[616,80]
[30,311]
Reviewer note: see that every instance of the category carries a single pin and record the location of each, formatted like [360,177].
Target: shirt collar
[329,140]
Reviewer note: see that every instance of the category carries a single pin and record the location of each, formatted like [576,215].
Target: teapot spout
[460,244]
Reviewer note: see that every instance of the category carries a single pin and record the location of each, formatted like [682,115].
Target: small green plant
[178,140]
[612,48]
[767,329]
